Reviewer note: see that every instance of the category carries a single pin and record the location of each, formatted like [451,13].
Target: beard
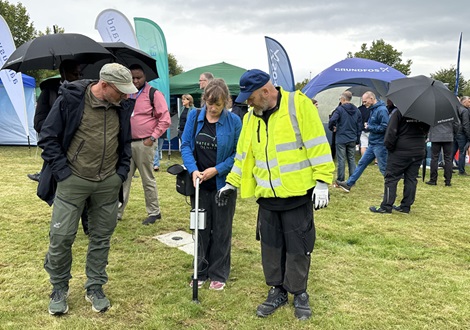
[259,109]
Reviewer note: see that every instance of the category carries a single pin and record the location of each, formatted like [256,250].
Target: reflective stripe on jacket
[285,156]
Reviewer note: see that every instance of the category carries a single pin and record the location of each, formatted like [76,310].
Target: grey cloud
[428,20]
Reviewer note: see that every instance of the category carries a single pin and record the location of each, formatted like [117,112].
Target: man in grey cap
[283,158]
[86,142]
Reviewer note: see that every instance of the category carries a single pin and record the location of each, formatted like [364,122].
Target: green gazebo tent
[188,82]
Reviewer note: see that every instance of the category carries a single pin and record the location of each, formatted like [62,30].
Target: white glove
[320,195]
[221,197]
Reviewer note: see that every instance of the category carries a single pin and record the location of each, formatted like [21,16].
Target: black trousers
[446,148]
[398,166]
[215,242]
[287,241]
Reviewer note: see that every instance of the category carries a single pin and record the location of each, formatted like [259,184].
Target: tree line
[23,30]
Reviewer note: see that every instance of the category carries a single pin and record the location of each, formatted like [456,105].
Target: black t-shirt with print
[206,152]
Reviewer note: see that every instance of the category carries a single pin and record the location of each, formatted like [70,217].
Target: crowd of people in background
[398,144]
[95,135]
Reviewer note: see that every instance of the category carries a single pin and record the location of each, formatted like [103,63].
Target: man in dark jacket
[346,121]
[69,71]
[405,140]
[462,137]
[86,142]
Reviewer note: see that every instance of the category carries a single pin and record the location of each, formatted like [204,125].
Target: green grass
[368,271]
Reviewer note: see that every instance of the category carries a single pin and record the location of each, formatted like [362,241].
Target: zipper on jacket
[80,146]
[104,144]
[259,123]
[266,156]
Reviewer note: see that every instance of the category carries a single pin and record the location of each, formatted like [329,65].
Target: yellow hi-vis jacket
[284,157]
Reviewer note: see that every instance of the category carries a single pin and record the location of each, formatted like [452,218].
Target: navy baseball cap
[251,81]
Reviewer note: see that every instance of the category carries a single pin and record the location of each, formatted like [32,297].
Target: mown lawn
[369,271]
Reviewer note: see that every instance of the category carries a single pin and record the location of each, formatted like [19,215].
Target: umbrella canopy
[125,55]
[359,90]
[48,51]
[424,99]
[351,72]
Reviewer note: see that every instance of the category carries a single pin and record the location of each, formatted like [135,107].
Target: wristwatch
[153,139]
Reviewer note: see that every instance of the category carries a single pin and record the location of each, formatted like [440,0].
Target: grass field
[368,271]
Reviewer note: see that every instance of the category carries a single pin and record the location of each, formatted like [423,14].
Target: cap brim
[243,96]
[126,88]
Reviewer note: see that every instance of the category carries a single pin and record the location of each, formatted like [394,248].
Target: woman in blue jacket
[208,149]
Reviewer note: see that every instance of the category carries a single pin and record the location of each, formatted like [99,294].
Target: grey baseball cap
[119,76]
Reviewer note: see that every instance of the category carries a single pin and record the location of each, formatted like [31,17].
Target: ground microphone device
[201,217]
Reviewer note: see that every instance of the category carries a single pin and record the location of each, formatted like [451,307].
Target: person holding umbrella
[405,141]
[86,150]
[430,101]
[69,71]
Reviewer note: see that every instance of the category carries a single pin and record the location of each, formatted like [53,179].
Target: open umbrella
[48,51]
[125,55]
[424,99]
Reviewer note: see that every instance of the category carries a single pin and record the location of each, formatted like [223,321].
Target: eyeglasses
[121,94]
[202,80]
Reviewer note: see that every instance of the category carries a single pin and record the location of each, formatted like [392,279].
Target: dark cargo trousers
[69,202]
[401,166]
[287,240]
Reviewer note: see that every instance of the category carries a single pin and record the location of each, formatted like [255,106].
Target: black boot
[302,306]
[277,297]
[35,176]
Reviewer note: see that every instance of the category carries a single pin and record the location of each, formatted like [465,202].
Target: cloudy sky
[315,33]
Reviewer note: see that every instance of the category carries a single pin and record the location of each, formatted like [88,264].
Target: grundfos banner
[280,68]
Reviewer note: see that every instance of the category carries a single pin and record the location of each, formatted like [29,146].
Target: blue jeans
[345,152]
[373,151]
[158,152]
[459,144]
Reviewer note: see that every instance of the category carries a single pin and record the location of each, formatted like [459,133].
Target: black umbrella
[424,99]
[125,55]
[48,51]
